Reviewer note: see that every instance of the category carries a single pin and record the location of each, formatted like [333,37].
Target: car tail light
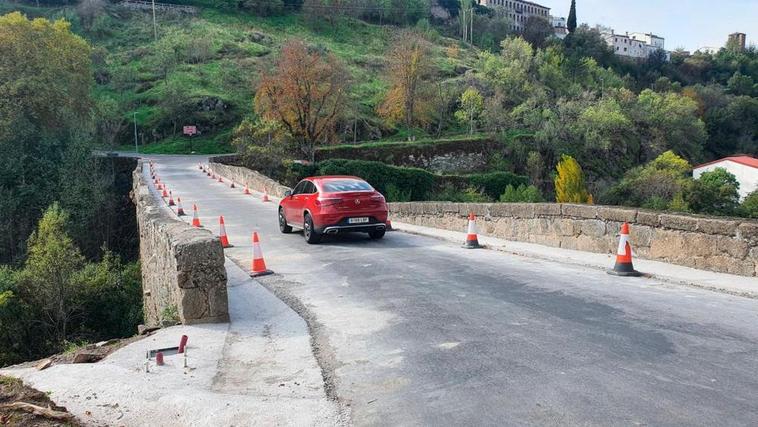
[378,198]
[327,202]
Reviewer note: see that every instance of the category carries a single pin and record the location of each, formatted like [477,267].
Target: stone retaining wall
[709,243]
[244,176]
[182,267]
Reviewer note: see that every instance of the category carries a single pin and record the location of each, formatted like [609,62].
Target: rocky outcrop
[718,244]
[244,176]
[183,274]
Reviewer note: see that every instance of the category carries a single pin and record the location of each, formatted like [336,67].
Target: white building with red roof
[744,167]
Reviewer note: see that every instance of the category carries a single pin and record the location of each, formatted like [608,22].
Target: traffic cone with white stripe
[195,218]
[165,192]
[624,266]
[171,199]
[222,233]
[472,241]
[247,190]
[259,265]
[265,196]
[232,186]
[221,180]
[179,208]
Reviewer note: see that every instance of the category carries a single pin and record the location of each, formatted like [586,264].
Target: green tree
[740,84]
[521,194]
[47,280]
[472,104]
[569,182]
[749,207]
[537,31]
[715,192]
[660,184]
[45,85]
[571,23]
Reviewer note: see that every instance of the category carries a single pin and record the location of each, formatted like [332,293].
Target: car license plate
[363,220]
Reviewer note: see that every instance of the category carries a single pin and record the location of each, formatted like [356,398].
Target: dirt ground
[13,390]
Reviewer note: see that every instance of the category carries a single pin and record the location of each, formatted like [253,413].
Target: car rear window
[345,185]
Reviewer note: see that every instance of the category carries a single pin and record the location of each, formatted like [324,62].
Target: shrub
[569,182]
[521,194]
[449,193]
[418,183]
[660,184]
[749,207]
[715,192]
[494,184]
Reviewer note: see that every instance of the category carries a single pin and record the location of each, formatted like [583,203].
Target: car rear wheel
[311,235]
[376,234]
[283,227]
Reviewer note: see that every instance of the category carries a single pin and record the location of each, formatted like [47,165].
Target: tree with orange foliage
[306,94]
[409,68]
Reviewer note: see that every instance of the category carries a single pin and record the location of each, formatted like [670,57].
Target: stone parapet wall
[183,269]
[244,176]
[710,243]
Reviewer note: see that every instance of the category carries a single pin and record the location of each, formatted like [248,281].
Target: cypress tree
[571,24]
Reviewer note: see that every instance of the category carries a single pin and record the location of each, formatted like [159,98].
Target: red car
[333,204]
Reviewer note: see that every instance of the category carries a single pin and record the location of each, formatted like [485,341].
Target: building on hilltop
[633,45]
[518,10]
[559,26]
[737,41]
[743,167]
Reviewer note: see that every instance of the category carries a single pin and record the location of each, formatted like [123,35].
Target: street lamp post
[136,149]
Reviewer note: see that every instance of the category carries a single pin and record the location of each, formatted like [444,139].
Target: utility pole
[136,149]
[155,26]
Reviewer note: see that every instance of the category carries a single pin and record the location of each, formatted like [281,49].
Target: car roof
[332,177]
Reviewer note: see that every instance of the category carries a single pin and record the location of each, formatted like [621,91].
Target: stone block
[749,232]
[449,207]
[579,211]
[617,214]
[503,209]
[523,210]
[592,228]
[679,222]
[648,218]
[717,226]
[547,209]
[734,247]
[565,227]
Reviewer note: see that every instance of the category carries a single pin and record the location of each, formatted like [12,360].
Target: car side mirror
[287,193]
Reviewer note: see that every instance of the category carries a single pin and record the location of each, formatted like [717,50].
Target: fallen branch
[38,410]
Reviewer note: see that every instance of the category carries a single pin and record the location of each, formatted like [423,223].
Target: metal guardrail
[138,4]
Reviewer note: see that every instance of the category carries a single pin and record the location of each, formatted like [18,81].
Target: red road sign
[190,130]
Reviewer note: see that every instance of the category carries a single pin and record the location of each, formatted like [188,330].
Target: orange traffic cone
[179,208]
[195,218]
[247,190]
[472,241]
[389,226]
[232,186]
[159,185]
[165,192]
[259,265]
[222,233]
[199,166]
[624,266]
[220,179]
[171,199]
[265,196]
[213,175]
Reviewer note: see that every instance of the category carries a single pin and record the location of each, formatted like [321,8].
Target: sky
[690,24]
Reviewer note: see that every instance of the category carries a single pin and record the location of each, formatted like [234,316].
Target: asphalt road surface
[415,331]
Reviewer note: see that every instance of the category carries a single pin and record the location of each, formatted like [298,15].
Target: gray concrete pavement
[416,331]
